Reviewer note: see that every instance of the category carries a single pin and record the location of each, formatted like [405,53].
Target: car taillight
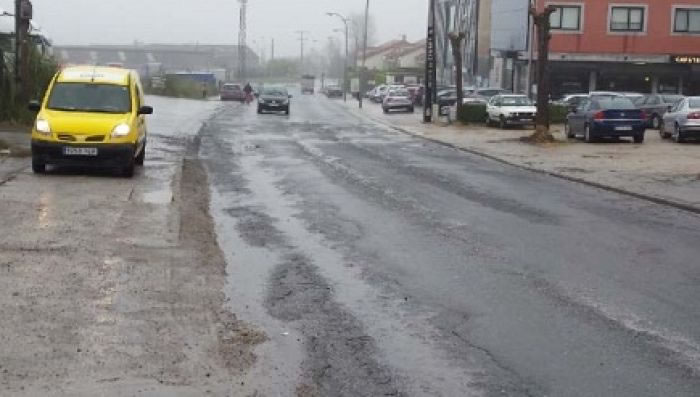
[599,116]
[694,116]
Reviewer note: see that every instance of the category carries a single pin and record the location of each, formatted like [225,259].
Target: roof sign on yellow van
[97,75]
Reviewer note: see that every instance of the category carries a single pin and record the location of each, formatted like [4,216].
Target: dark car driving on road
[606,116]
[274,99]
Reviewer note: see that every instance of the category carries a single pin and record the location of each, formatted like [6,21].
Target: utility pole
[242,38]
[477,24]
[23,16]
[272,49]
[302,39]
[345,60]
[430,72]
[363,84]
[531,51]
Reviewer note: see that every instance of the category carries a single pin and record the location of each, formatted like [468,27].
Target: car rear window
[90,97]
[672,98]
[515,101]
[694,103]
[399,93]
[613,102]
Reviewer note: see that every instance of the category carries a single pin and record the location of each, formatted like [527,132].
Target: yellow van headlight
[43,127]
[121,130]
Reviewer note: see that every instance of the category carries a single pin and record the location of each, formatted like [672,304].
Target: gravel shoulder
[659,169]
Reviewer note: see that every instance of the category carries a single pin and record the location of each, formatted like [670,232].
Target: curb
[641,196]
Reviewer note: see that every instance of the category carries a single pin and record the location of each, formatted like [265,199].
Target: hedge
[472,113]
[476,113]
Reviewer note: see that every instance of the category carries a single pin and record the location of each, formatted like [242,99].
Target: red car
[232,92]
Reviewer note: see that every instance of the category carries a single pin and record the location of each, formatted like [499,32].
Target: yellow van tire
[141,158]
[38,167]
[128,170]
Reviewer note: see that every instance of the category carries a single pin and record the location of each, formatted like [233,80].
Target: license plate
[623,128]
[525,119]
[79,151]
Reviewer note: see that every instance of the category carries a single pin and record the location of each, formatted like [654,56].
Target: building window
[687,20]
[566,18]
[627,19]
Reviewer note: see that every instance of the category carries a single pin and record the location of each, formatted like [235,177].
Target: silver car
[398,99]
[682,121]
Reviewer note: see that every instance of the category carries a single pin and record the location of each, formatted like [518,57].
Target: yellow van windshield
[90,97]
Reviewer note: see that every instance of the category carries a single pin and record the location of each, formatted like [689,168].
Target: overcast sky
[216,21]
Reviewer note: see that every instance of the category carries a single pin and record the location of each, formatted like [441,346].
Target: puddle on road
[386,320]
[278,368]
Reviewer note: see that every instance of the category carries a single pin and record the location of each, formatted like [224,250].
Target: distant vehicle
[682,121]
[474,100]
[606,116]
[379,91]
[334,91]
[308,84]
[392,87]
[397,99]
[506,110]
[633,96]
[574,100]
[355,87]
[655,106]
[490,92]
[91,116]
[448,97]
[232,92]
[274,99]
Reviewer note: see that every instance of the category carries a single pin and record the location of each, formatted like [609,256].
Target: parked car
[490,92]
[334,91]
[506,110]
[655,106]
[232,92]
[379,91]
[570,100]
[449,97]
[475,100]
[398,99]
[274,99]
[391,87]
[682,121]
[91,116]
[606,115]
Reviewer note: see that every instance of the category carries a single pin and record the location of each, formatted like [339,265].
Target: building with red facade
[625,45]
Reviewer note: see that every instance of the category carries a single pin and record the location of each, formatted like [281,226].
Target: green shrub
[557,113]
[13,109]
[476,113]
[183,88]
[472,113]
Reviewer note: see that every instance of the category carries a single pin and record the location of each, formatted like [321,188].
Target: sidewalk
[659,170]
[13,138]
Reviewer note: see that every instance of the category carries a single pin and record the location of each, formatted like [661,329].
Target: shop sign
[686,59]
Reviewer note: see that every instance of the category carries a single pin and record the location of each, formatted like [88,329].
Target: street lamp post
[364,57]
[345,60]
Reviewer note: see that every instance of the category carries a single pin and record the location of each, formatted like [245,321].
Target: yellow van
[91,116]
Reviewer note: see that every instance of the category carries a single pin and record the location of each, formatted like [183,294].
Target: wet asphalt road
[382,264]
